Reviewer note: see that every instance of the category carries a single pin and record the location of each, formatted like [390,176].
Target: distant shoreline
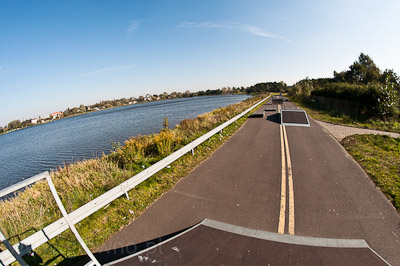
[87,112]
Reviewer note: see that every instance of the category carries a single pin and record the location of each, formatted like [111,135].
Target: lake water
[30,151]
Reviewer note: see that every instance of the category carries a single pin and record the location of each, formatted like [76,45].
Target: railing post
[10,248]
[69,222]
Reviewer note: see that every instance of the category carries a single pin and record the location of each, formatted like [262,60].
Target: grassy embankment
[380,158]
[79,183]
[341,119]
[378,155]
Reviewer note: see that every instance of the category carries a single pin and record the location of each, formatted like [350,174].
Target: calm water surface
[33,150]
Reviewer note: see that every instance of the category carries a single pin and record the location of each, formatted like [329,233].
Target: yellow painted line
[281,225]
[290,185]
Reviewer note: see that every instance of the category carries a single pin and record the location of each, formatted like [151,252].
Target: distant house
[34,121]
[56,115]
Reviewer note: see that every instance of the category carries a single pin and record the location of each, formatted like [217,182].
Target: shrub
[134,149]
[166,142]
[375,100]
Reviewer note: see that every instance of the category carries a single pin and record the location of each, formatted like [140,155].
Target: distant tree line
[258,88]
[15,124]
[376,92]
[267,87]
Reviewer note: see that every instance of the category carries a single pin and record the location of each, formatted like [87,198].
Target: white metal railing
[39,238]
[22,184]
[44,175]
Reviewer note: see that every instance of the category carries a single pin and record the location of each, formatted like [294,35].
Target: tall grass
[380,158]
[79,183]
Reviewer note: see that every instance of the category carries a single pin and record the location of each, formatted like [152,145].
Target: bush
[166,141]
[134,149]
[375,100]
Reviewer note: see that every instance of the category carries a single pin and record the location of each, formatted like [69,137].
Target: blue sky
[59,54]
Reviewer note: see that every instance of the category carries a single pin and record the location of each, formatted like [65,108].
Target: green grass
[380,158]
[341,119]
[79,183]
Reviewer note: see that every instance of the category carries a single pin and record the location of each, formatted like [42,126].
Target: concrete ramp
[294,117]
[216,243]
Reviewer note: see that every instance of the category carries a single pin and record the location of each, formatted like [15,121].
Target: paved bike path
[240,184]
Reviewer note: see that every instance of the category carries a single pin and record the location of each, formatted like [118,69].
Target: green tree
[124,101]
[267,87]
[342,77]
[14,124]
[364,70]
[82,108]
[26,123]
[303,88]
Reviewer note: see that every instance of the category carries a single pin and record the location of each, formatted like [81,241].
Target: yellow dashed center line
[281,226]
[286,161]
[290,185]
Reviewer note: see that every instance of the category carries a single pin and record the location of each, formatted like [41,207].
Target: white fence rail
[22,184]
[44,175]
[39,238]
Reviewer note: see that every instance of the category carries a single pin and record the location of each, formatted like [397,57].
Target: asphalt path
[241,184]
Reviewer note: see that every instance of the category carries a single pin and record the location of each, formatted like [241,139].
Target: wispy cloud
[133,26]
[107,69]
[204,24]
[254,30]
[259,32]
